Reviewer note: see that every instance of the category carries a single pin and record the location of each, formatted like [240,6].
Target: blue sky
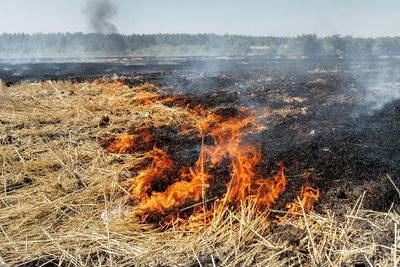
[364,18]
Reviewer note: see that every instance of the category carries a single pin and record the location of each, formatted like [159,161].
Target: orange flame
[181,197]
[130,141]
[121,145]
[190,186]
[142,183]
[308,195]
[117,83]
[145,85]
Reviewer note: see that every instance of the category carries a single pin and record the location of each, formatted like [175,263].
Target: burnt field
[336,123]
[332,122]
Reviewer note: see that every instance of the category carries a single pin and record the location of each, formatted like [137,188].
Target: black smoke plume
[99,13]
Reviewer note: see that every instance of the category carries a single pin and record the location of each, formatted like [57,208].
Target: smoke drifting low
[99,13]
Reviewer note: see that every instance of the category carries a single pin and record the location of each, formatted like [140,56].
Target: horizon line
[204,33]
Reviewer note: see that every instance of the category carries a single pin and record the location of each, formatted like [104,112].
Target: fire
[117,83]
[308,195]
[161,162]
[183,196]
[191,185]
[135,139]
[146,98]
[147,94]
[146,85]
[121,145]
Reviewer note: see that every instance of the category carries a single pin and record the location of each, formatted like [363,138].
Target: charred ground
[324,122]
[333,123]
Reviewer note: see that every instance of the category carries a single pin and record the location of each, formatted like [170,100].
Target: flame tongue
[190,185]
[136,139]
[186,197]
[161,162]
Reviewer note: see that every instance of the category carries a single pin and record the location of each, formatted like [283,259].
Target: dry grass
[60,196]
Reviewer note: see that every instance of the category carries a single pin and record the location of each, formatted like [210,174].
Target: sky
[360,18]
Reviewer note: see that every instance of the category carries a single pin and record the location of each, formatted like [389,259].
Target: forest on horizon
[18,45]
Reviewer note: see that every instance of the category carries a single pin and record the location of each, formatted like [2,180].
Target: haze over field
[359,18]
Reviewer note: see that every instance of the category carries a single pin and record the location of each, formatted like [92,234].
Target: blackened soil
[334,123]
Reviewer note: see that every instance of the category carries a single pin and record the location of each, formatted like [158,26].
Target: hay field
[62,195]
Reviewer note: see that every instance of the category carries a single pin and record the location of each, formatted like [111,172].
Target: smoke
[377,82]
[383,91]
[99,13]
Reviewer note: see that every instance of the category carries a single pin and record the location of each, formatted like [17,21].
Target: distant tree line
[79,44]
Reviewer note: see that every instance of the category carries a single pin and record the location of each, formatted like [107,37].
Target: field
[73,145]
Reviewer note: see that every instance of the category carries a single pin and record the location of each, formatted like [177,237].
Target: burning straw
[57,181]
[193,184]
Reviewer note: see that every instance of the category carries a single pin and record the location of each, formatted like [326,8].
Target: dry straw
[61,196]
